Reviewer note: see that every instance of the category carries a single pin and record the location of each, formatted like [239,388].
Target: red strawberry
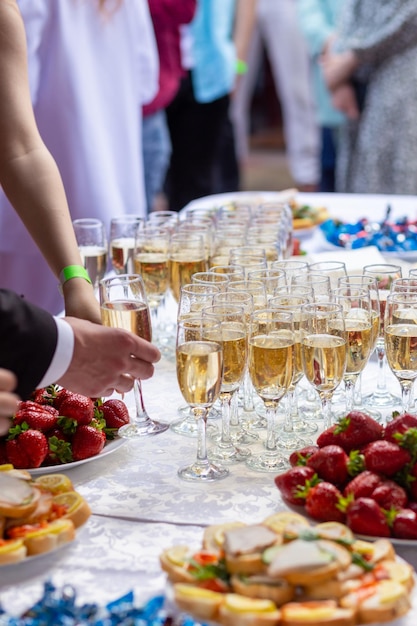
[390,495]
[292,482]
[363,485]
[87,441]
[60,450]
[405,524]
[3,452]
[411,480]
[77,407]
[60,397]
[115,413]
[365,517]
[322,503]
[37,416]
[299,457]
[27,450]
[385,457]
[399,425]
[351,432]
[44,396]
[331,464]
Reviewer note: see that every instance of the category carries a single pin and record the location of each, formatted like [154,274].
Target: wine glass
[122,242]
[318,283]
[333,269]
[270,361]
[358,321]
[211,278]
[271,278]
[234,364]
[323,350]
[187,255]
[92,243]
[400,330]
[124,304]
[164,219]
[199,357]
[385,274]
[151,262]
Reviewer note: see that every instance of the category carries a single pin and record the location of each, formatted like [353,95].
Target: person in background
[197,114]
[36,347]
[318,19]
[278,29]
[376,52]
[92,65]
[167,17]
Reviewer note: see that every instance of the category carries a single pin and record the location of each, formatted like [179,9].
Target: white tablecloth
[139,504]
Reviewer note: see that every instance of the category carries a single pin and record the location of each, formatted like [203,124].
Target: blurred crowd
[138,100]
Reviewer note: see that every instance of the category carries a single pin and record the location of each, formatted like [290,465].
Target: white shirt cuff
[63,353]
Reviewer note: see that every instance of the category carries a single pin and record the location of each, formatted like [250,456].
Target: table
[139,504]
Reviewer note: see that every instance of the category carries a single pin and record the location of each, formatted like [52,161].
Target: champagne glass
[385,274]
[199,374]
[234,364]
[124,304]
[319,283]
[151,262]
[323,350]
[92,243]
[400,330]
[271,278]
[122,242]
[270,360]
[211,278]
[164,219]
[194,297]
[333,269]
[233,272]
[358,321]
[291,267]
[187,255]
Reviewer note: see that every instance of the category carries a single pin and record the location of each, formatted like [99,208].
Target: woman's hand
[338,68]
[8,399]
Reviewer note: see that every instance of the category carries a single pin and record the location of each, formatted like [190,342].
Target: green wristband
[241,67]
[73,271]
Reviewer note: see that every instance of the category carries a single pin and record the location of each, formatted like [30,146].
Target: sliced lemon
[219,533]
[309,611]
[6,467]
[55,483]
[390,590]
[242,604]
[191,591]
[178,555]
[76,508]
[278,521]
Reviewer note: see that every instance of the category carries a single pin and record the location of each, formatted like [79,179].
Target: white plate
[304,233]
[251,197]
[56,469]
[404,255]
[15,573]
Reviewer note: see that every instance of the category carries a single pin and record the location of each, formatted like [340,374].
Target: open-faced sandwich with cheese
[283,572]
[34,519]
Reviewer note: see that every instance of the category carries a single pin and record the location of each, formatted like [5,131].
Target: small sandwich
[383,601]
[262,586]
[201,603]
[44,536]
[12,551]
[18,497]
[238,610]
[213,536]
[326,613]
[244,548]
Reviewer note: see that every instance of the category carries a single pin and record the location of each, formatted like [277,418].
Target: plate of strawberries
[57,427]
[359,473]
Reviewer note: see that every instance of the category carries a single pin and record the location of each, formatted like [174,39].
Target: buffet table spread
[139,504]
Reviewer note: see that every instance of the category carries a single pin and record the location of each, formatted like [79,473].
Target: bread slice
[213,536]
[75,507]
[385,601]
[45,537]
[201,603]
[244,547]
[12,551]
[174,562]
[326,613]
[237,610]
[18,498]
[277,590]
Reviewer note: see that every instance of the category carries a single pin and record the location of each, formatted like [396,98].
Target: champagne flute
[92,243]
[187,255]
[333,269]
[124,304]
[270,360]
[323,350]
[385,274]
[400,330]
[234,364]
[122,242]
[151,262]
[358,327]
[199,373]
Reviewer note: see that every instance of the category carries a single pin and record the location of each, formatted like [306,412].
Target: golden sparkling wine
[271,364]
[122,254]
[199,372]
[324,360]
[132,316]
[181,271]
[401,350]
[298,371]
[234,358]
[375,329]
[94,260]
[359,342]
[153,267]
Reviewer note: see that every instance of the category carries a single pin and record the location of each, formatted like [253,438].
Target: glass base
[376,415]
[186,426]
[268,463]
[290,441]
[146,428]
[213,413]
[203,472]
[303,427]
[228,454]
[381,400]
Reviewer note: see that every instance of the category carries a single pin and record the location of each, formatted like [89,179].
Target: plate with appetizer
[284,571]
[38,515]
[57,428]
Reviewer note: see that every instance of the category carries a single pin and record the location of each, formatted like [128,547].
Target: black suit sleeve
[28,338]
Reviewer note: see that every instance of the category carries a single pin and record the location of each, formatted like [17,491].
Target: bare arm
[28,172]
[244,23]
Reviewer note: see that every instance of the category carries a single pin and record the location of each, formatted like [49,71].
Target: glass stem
[406,394]
[141,414]
[291,411]
[381,384]
[248,404]
[326,404]
[350,392]
[271,415]
[225,399]
[200,415]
